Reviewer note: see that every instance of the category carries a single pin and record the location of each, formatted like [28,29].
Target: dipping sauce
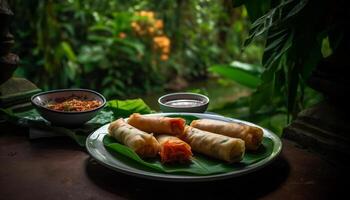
[74,105]
[181,103]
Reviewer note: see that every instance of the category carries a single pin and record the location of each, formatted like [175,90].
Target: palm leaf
[239,75]
[275,17]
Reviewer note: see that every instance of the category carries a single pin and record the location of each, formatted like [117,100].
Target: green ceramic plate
[97,150]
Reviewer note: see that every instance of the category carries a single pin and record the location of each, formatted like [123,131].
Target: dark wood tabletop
[56,168]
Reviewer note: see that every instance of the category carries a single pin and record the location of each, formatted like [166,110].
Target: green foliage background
[75,43]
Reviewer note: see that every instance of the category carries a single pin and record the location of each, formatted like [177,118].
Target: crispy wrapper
[218,146]
[251,135]
[144,144]
[158,125]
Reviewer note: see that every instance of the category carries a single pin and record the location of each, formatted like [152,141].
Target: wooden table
[56,168]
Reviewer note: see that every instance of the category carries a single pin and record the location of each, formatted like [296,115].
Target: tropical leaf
[239,75]
[296,9]
[67,49]
[277,41]
[124,108]
[262,95]
[199,165]
[101,28]
[251,68]
[255,8]
[114,109]
[275,18]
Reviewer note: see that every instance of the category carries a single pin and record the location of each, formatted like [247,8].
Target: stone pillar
[8,60]
[325,128]
[14,92]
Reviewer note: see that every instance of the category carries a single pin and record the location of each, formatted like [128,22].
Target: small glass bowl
[183,102]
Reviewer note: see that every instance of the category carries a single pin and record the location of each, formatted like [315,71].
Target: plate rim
[95,137]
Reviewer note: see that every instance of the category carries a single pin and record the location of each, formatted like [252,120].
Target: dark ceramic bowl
[183,102]
[66,118]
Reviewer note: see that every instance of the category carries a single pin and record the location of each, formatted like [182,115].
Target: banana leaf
[199,165]
[114,109]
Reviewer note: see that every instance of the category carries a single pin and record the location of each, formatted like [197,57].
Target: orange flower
[166,50]
[158,24]
[161,41]
[135,26]
[164,57]
[122,35]
[149,14]
[148,27]
[151,30]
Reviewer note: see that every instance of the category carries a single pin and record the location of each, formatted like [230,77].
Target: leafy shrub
[124,48]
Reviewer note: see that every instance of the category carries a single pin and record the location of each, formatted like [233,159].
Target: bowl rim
[182,93]
[68,90]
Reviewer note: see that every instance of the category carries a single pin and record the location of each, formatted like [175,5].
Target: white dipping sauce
[180,103]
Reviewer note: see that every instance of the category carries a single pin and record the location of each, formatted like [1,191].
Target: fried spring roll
[252,136]
[173,149]
[144,144]
[215,145]
[157,125]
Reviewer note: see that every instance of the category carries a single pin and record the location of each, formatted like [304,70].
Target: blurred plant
[204,33]
[146,25]
[123,41]
[162,44]
[295,31]
[97,51]
[298,37]
[126,48]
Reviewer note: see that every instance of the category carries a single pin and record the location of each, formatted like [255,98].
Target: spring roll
[251,135]
[173,149]
[144,144]
[158,125]
[218,146]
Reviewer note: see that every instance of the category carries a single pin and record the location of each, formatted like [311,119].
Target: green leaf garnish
[200,164]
